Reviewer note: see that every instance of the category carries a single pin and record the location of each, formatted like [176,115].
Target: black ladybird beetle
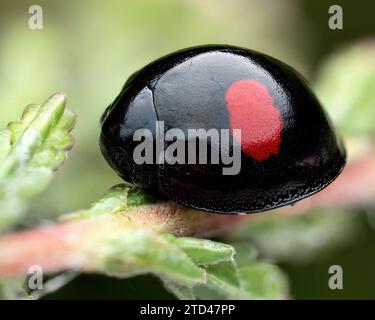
[288,148]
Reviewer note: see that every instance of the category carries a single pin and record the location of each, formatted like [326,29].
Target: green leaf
[136,251]
[255,281]
[223,282]
[34,182]
[263,281]
[117,199]
[246,253]
[30,151]
[223,277]
[205,252]
[180,291]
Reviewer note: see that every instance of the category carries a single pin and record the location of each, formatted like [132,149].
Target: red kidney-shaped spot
[251,109]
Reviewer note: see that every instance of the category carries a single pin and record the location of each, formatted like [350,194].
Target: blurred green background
[87,49]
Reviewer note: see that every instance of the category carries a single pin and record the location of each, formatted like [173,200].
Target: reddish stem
[61,246]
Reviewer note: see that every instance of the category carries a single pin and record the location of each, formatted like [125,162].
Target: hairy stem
[71,245]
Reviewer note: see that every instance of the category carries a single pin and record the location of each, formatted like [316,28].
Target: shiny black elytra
[289,148]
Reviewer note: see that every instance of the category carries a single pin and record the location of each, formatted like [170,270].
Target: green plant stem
[68,245]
